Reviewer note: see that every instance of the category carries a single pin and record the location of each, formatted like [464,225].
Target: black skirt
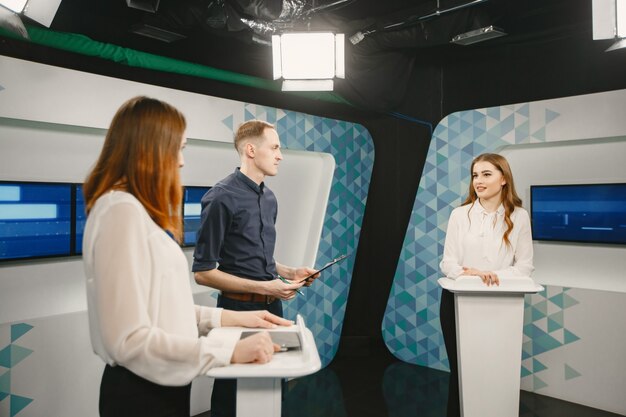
[123,393]
[447,318]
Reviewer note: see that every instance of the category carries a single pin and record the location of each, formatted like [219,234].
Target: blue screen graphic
[35,220]
[594,213]
[191,213]
[81,218]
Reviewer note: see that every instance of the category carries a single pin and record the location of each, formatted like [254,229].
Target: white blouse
[474,240]
[141,310]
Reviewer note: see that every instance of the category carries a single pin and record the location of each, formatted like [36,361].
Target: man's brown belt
[249,297]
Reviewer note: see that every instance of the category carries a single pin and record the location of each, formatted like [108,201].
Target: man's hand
[279,289]
[297,274]
[260,318]
[257,348]
[303,272]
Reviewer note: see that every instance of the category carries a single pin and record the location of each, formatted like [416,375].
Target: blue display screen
[191,213]
[594,213]
[35,220]
[81,218]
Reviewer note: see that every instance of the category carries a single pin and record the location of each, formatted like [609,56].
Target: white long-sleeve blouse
[474,240]
[141,310]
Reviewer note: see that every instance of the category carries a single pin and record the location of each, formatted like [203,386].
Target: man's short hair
[250,130]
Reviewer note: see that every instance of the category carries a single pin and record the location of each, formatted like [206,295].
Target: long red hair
[509,198]
[140,156]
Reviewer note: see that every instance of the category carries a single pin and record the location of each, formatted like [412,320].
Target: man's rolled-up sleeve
[214,223]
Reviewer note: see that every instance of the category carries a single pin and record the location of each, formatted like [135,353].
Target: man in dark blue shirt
[238,232]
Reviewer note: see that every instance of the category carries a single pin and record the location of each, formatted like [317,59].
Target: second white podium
[489,329]
[259,386]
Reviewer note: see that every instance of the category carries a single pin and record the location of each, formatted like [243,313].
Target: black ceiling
[232,47]
[382,64]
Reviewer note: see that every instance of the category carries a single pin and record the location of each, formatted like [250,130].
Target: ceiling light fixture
[157,33]
[41,11]
[16,6]
[413,20]
[478,35]
[146,5]
[308,61]
[609,22]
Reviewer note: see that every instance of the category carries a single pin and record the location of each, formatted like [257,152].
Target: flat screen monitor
[35,220]
[191,213]
[81,218]
[592,213]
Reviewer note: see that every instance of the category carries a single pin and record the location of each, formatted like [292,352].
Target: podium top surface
[292,363]
[473,284]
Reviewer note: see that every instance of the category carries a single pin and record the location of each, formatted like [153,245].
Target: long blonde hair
[509,198]
[140,156]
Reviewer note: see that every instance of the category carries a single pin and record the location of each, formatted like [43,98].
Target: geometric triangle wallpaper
[410,327]
[11,355]
[324,305]
[543,332]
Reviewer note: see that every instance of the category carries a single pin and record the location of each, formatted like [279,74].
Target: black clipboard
[328,265]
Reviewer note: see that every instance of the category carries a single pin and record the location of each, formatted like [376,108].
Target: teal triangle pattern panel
[411,329]
[545,331]
[18,330]
[570,372]
[5,384]
[11,355]
[324,304]
[228,122]
[18,403]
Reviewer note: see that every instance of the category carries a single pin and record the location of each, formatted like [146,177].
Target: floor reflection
[411,390]
[317,395]
[379,385]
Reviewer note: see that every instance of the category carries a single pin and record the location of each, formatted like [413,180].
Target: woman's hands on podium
[489,278]
[259,347]
[258,318]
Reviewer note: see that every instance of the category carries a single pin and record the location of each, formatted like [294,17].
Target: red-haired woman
[142,318]
[488,236]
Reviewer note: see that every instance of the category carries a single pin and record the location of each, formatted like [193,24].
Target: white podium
[489,329]
[259,386]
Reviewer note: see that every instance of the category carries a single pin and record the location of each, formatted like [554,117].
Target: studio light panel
[308,60]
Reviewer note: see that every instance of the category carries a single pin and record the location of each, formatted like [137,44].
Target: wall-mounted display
[40,219]
[35,220]
[590,213]
[81,218]
[191,213]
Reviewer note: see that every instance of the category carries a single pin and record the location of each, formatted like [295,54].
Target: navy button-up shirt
[237,229]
